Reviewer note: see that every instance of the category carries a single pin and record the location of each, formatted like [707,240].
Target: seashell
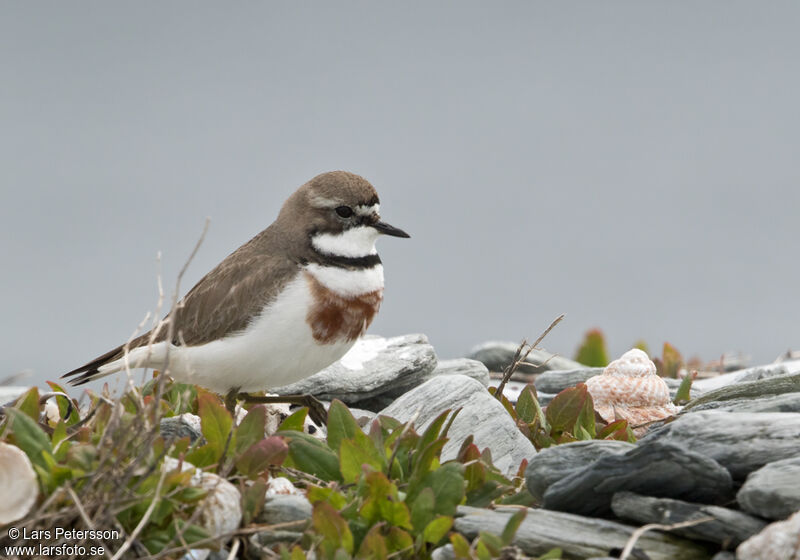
[221,511]
[629,389]
[281,486]
[18,485]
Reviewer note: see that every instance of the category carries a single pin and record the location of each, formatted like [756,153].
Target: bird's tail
[92,370]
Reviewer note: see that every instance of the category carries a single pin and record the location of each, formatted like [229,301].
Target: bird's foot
[316,410]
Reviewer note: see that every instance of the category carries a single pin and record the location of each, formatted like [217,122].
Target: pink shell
[629,389]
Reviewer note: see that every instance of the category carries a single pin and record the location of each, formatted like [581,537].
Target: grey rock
[787,402]
[285,509]
[740,441]
[577,536]
[728,527]
[463,366]
[10,393]
[372,367]
[556,381]
[745,375]
[559,461]
[498,355]
[654,469]
[778,541]
[776,385]
[445,552]
[773,491]
[724,555]
[263,541]
[177,427]
[482,416]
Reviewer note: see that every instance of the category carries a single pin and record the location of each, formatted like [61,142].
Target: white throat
[354,242]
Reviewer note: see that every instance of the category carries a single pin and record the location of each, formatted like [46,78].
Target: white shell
[629,389]
[221,509]
[281,486]
[18,486]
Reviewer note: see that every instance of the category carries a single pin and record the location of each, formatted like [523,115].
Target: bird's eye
[344,211]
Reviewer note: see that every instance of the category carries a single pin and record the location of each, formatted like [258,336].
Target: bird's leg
[316,410]
[230,401]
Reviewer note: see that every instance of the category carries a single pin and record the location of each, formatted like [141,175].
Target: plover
[283,306]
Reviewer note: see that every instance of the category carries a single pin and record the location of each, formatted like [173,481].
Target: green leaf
[333,529]
[512,526]
[251,429]
[398,540]
[460,545]
[373,547]
[437,529]
[327,494]
[314,458]
[270,451]
[565,408]
[341,424]
[422,509]
[527,404]
[351,459]
[671,361]
[492,542]
[683,395]
[592,352]
[253,498]
[215,422]
[382,502]
[295,422]
[29,403]
[431,433]
[553,554]
[447,483]
[29,436]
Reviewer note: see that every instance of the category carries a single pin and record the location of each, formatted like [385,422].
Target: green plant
[387,492]
[570,416]
[592,351]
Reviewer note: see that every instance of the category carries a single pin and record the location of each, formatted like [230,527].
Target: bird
[280,308]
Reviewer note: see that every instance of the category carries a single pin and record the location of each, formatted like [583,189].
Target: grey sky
[631,164]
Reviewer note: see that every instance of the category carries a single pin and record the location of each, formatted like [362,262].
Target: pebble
[773,491]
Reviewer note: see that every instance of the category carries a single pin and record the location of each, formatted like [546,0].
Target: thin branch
[519,357]
[145,518]
[642,530]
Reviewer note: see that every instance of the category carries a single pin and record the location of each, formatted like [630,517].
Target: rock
[787,402]
[777,541]
[481,416]
[748,389]
[498,355]
[285,509]
[657,468]
[577,536]
[463,366]
[724,555]
[373,366]
[740,441]
[745,375]
[559,461]
[185,425]
[556,381]
[727,529]
[10,393]
[773,491]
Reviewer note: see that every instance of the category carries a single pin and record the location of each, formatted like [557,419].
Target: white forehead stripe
[354,242]
[362,210]
[346,282]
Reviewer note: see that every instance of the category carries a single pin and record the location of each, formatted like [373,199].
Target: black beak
[386,229]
